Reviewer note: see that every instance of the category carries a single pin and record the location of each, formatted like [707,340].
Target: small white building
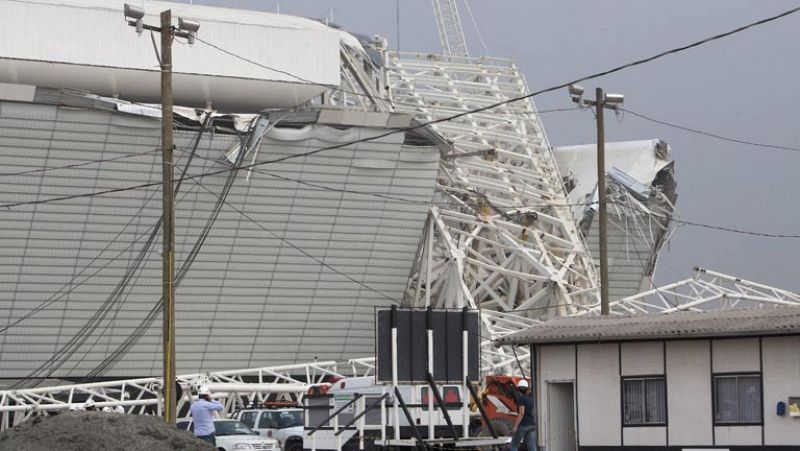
[688,380]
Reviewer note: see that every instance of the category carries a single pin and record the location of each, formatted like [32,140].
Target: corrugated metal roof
[720,323]
[256,294]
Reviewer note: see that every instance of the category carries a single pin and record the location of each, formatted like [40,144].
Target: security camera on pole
[601,102]
[186,29]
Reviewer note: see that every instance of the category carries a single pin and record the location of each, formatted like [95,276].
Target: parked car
[234,435]
[285,425]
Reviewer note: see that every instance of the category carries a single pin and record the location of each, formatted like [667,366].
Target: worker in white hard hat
[202,412]
[119,409]
[525,423]
[89,405]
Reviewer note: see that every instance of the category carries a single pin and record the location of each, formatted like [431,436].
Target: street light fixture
[190,27]
[601,102]
[136,14]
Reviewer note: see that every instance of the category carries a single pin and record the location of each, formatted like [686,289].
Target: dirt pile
[98,431]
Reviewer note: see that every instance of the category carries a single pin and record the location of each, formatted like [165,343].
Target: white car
[285,425]
[234,435]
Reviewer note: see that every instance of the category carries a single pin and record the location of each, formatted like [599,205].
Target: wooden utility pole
[168,240]
[600,102]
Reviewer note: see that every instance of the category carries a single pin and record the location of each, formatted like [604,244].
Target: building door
[561,416]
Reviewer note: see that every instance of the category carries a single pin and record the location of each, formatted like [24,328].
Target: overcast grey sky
[744,86]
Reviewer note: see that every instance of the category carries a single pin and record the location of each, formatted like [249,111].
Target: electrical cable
[444,119]
[486,108]
[60,357]
[709,134]
[77,165]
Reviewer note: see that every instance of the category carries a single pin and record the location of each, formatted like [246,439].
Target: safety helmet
[522,384]
[119,409]
[203,391]
[89,403]
[106,409]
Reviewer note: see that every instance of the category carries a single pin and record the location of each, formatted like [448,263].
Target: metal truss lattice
[500,236]
[707,290]
[235,388]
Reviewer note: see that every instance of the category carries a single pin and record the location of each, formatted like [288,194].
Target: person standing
[525,425]
[202,412]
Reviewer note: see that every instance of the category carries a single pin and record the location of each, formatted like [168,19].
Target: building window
[644,401]
[737,399]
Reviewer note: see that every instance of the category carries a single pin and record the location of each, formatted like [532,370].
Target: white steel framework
[501,236]
[706,290]
[235,388]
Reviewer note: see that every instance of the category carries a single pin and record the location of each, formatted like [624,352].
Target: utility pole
[134,16]
[601,102]
[601,194]
[168,204]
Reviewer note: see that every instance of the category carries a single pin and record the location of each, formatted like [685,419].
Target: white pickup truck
[284,425]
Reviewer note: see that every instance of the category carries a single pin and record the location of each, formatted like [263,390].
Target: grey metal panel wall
[629,256]
[256,293]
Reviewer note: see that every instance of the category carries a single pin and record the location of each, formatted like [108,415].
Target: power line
[709,134]
[706,226]
[77,165]
[432,122]
[297,248]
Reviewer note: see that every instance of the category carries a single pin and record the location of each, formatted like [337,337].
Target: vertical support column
[600,100]
[396,416]
[465,368]
[336,429]
[429,327]
[168,239]
[362,403]
[429,262]
[383,415]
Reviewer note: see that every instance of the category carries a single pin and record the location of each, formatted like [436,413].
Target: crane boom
[451,33]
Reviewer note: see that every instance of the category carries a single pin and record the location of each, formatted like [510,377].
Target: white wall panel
[689,393]
[736,355]
[645,436]
[642,358]
[781,380]
[599,414]
[738,435]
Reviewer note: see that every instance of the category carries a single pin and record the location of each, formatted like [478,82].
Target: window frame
[645,377]
[714,399]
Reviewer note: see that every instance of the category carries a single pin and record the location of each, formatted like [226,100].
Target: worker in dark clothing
[525,425]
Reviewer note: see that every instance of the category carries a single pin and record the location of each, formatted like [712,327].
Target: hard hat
[119,409]
[203,390]
[89,403]
[106,409]
[522,384]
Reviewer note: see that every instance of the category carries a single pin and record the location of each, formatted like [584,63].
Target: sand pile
[98,431]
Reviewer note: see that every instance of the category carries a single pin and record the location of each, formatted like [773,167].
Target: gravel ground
[98,431]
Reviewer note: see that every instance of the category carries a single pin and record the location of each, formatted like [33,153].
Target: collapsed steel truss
[707,290]
[236,388]
[500,236]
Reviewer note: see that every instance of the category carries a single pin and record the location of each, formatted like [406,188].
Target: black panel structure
[412,344]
